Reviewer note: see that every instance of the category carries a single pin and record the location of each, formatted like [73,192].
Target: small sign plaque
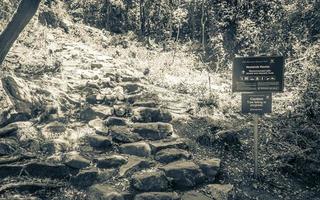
[256,103]
[258,74]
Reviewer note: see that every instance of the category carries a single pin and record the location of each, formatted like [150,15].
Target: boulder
[99,126]
[75,160]
[154,181]
[153,131]
[99,142]
[18,101]
[183,174]
[123,134]
[228,137]
[157,196]
[84,178]
[210,167]
[171,155]
[146,114]
[141,149]
[111,161]
[221,192]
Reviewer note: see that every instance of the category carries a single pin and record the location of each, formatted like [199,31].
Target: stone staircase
[132,153]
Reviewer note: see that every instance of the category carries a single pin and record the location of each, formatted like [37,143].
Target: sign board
[258,74]
[256,103]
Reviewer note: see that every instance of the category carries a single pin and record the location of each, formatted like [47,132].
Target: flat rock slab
[148,104]
[99,142]
[169,143]
[154,181]
[221,192]
[157,196]
[115,121]
[193,195]
[74,160]
[44,170]
[98,111]
[134,164]
[146,114]
[171,155]
[29,187]
[183,174]
[85,178]
[123,134]
[112,161]
[10,170]
[210,167]
[141,149]
[104,192]
[99,126]
[153,131]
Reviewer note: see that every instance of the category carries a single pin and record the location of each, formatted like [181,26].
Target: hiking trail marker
[258,74]
[257,77]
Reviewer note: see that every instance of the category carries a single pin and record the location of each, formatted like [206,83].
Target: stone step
[99,142]
[140,149]
[172,155]
[183,174]
[157,196]
[98,111]
[113,161]
[75,160]
[178,143]
[84,178]
[194,195]
[36,169]
[148,104]
[106,192]
[115,121]
[123,134]
[99,126]
[153,131]
[23,187]
[135,164]
[150,181]
[146,114]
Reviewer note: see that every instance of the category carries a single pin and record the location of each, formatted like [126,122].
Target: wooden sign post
[257,77]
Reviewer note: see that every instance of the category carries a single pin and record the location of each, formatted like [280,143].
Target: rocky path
[95,131]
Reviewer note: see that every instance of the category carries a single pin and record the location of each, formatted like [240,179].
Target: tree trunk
[21,18]
[202,25]
[142,18]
